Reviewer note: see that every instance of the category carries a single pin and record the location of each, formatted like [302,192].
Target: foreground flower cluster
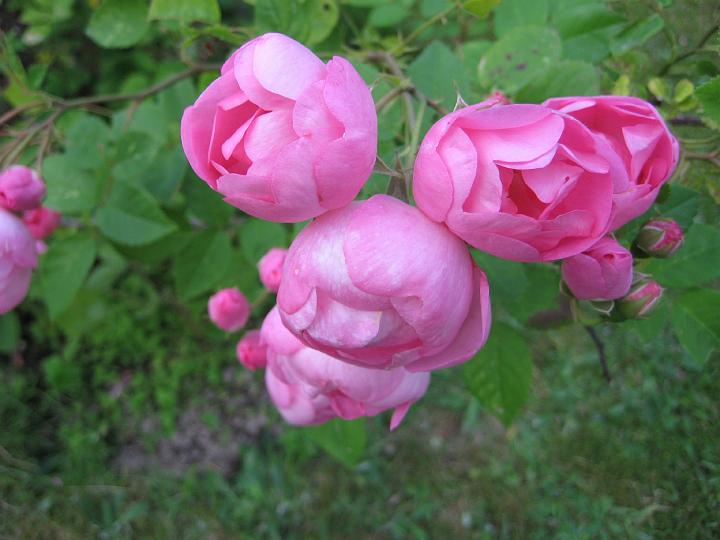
[24,223]
[374,295]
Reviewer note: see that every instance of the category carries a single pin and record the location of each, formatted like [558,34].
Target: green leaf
[585,18]
[185,10]
[344,440]
[257,237]
[388,15]
[207,204]
[132,216]
[118,23]
[310,21]
[696,320]
[63,269]
[709,96]
[9,332]
[681,205]
[499,375]
[70,189]
[564,78]
[480,8]
[695,263]
[518,57]
[87,140]
[636,34]
[513,13]
[202,264]
[437,71]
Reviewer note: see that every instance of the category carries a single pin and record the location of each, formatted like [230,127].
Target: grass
[634,459]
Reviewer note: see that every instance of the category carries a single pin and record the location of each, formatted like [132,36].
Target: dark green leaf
[437,72]
[342,439]
[388,15]
[695,263]
[636,34]
[585,18]
[518,57]
[207,204]
[499,375]
[185,10]
[480,8]
[118,23]
[564,78]
[310,21]
[696,320]
[513,13]
[87,140]
[681,205]
[202,264]
[132,216]
[63,270]
[709,96]
[70,189]
[257,237]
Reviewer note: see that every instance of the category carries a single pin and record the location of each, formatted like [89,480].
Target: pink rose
[270,268]
[18,258]
[647,150]
[603,272]
[20,189]
[41,221]
[229,309]
[379,285]
[281,135]
[251,351]
[310,387]
[522,182]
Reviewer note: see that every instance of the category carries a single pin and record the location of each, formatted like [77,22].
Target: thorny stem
[712,157]
[600,346]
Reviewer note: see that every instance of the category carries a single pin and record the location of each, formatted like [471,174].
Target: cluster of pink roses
[21,238]
[374,295]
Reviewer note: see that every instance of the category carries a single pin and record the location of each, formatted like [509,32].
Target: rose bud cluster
[373,295]
[280,134]
[22,235]
[660,238]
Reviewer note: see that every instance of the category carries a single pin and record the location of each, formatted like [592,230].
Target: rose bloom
[638,134]
[603,272]
[18,258]
[251,351]
[20,188]
[41,221]
[229,309]
[270,268]
[522,182]
[310,387]
[281,135]
[379,285]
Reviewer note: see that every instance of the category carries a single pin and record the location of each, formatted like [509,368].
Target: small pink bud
[643,297]
[251,351]
[41,221]
[229,309]
[660,237]
[500,97]
[20,189]
[270,268]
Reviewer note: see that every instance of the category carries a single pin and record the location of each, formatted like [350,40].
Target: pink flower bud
[660,237]
[310,387]
[229,309]
[41,221]
[643,297]
[270,268]
[20,189]
[603,272]
[251,351]
[500,97]
[18,258]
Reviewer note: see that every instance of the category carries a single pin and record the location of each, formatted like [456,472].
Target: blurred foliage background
[123,411]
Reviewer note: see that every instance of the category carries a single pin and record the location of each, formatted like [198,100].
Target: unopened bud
[643,297]
[660,237]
